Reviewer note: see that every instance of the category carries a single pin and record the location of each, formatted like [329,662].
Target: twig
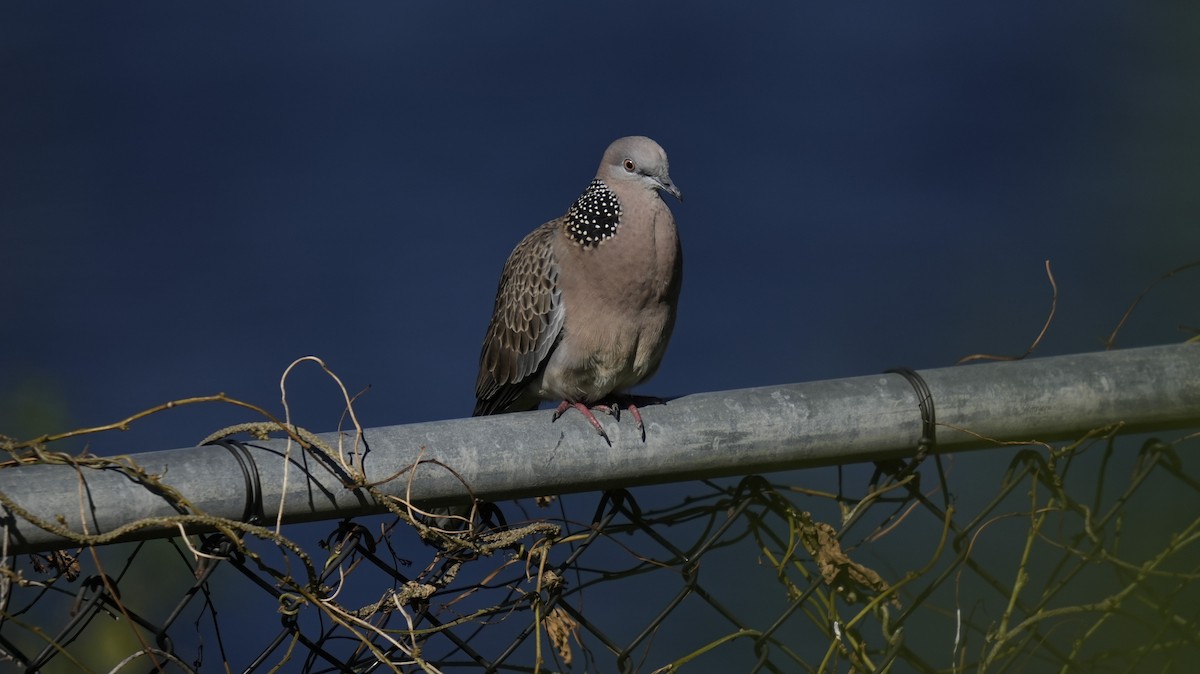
[1038,340]
[1112,338]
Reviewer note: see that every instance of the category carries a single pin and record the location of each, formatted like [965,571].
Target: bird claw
[613,409]
[637,416]
[587,413]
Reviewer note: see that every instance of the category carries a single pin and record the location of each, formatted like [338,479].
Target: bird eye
[629,165]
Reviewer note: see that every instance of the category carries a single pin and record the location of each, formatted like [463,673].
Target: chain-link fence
[1075,557]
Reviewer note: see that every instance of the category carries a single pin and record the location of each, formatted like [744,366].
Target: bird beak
[669,187]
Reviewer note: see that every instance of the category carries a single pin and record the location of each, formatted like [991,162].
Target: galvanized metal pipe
[704,435]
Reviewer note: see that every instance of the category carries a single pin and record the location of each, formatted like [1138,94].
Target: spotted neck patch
[595,216]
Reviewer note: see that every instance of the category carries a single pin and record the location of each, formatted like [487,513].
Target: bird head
[637,160]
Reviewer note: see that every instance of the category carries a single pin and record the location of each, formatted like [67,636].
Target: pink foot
[587,413]
[613,409]
[637,416]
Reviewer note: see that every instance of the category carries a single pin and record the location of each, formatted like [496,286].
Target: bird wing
[526,324]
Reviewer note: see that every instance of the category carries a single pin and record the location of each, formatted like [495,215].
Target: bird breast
[619,299]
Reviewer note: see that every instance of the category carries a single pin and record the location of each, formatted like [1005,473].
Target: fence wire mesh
[1076,558]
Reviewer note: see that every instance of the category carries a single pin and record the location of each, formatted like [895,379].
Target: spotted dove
[587,301]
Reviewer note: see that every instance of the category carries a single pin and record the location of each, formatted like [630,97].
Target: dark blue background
[194,195]
[191,196]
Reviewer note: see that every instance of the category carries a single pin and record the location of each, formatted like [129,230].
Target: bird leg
[613,407]
[587,413]
[631,403]
[637,416]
